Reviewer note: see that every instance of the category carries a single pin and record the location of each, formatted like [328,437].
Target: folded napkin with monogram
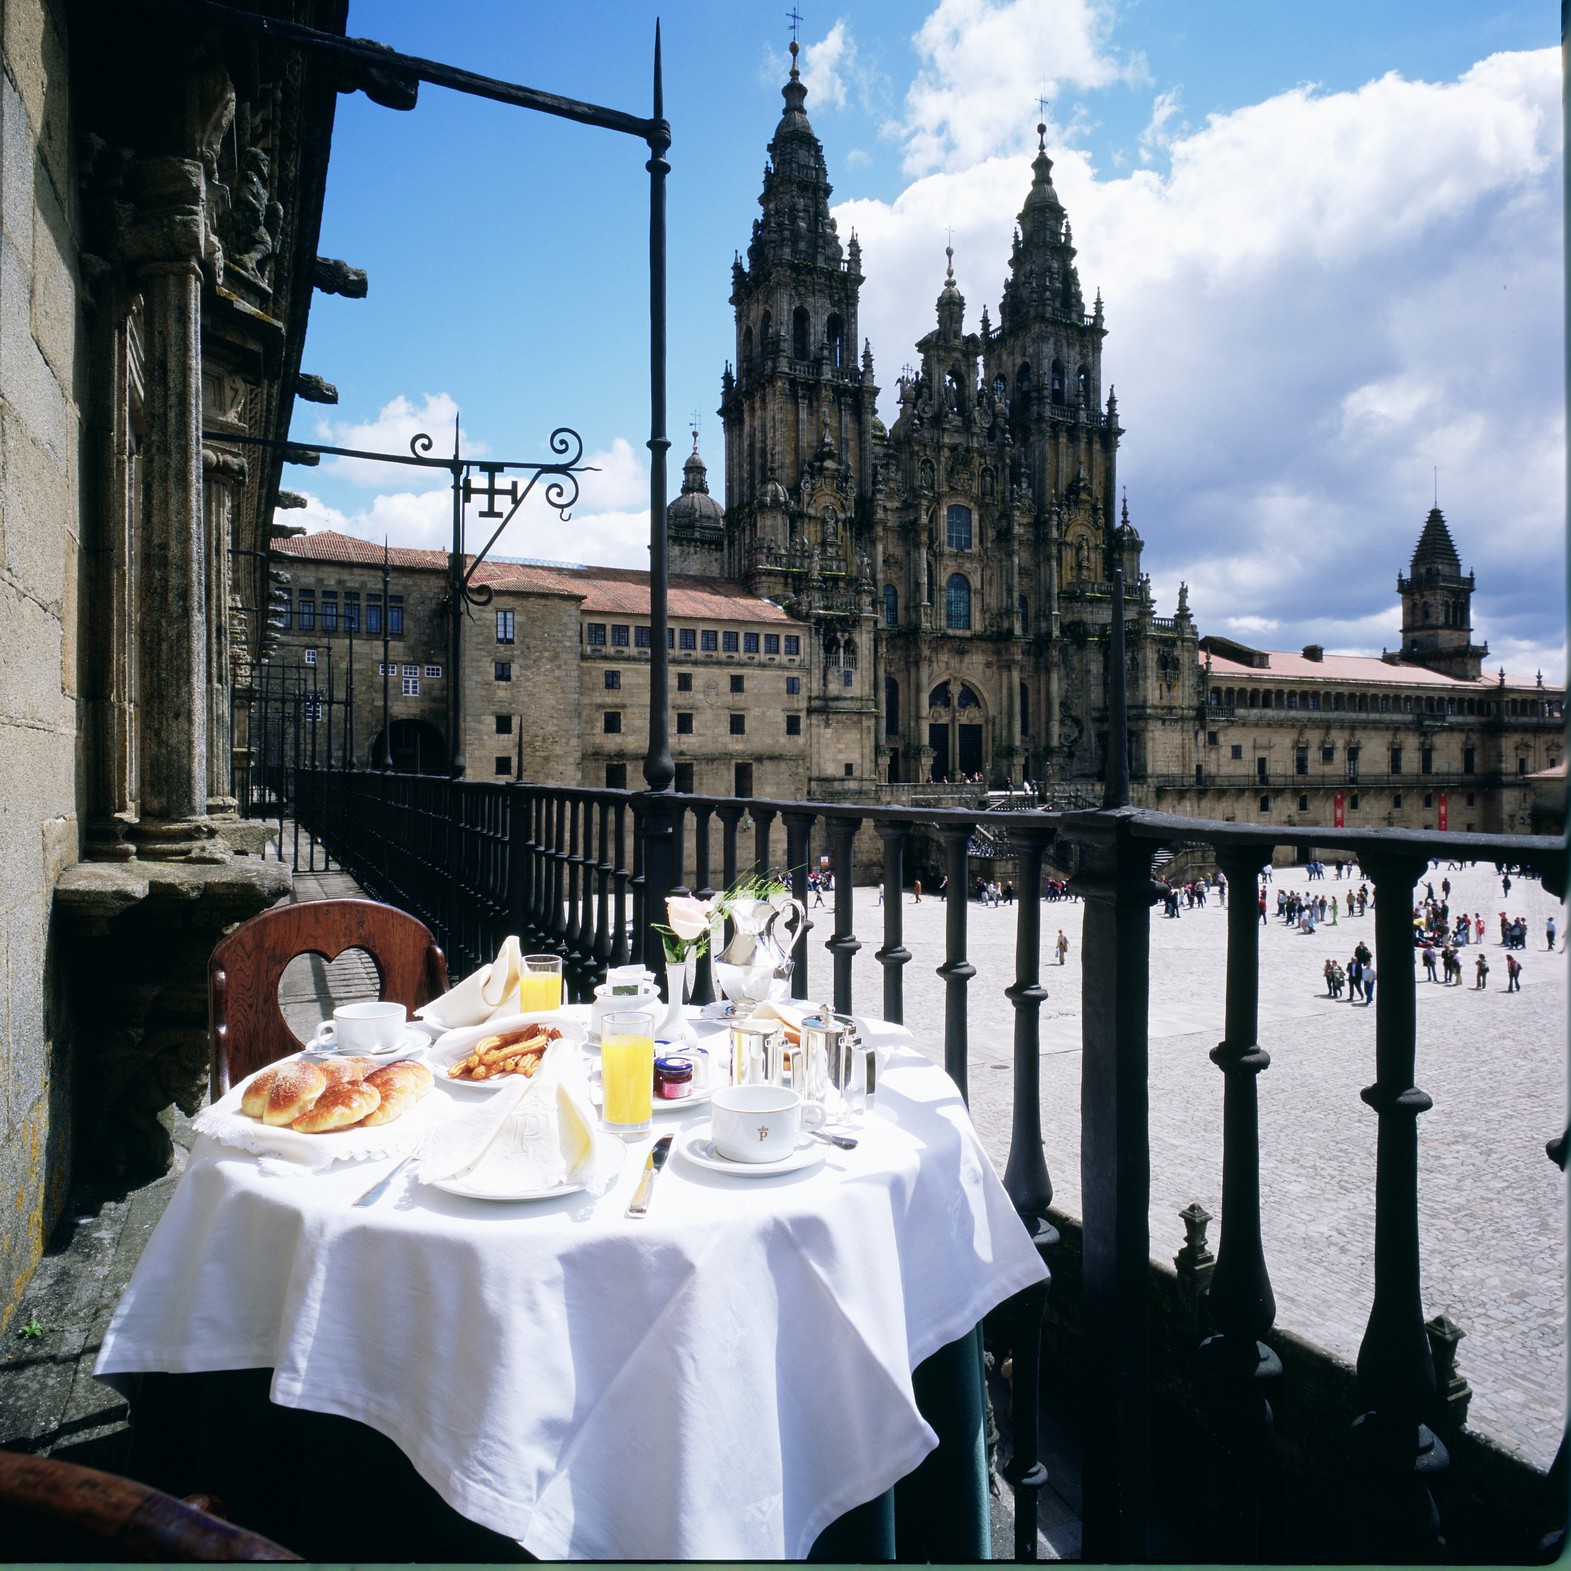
[483,994]
[534,1135]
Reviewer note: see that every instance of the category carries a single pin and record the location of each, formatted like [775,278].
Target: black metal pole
[386,760]
[455,607]
[659,848]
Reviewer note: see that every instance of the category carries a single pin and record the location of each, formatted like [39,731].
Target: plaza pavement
[1492,1207]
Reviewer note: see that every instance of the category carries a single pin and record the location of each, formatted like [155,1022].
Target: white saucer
[411,1044]
[614,1154]
[699,1149]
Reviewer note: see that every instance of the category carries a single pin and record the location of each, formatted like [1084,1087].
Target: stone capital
[162,225]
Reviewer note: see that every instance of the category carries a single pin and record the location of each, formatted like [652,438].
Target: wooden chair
[57,1511]
[246,1024]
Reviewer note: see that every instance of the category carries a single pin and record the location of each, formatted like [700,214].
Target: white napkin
[483,994]
[533,1135]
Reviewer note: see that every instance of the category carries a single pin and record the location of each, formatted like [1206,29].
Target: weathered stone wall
[39,564]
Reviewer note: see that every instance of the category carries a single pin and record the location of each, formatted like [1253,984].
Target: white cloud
[1253,624]
[1160,131]
[396,424]
[1325,297]
[986,62]
[828,67]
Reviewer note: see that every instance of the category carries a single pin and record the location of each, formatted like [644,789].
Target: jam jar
[673,1078]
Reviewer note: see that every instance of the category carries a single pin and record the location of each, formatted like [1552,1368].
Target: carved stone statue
[256,223]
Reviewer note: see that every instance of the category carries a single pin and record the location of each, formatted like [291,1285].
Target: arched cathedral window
[1023,379]
[957,603]
[747,351]
[1023,610]
[799,333]
[1083,378]
[891,707]
[1057,393]
[765,330]
[891,606]
[957,523]
[836,335]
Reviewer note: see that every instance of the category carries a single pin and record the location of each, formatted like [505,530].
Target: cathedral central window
[957,604]
[958,528]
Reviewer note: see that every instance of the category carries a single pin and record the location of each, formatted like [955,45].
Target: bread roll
[400,1086]
[338,1107]
[292,1091]
[339,1070]
[254,1098]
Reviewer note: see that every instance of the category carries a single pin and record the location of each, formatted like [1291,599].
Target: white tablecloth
[719,1380]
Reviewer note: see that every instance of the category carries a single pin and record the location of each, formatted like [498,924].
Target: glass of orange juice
[627,1070]
[540,984]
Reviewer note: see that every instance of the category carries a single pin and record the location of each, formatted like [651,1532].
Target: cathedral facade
[956,568]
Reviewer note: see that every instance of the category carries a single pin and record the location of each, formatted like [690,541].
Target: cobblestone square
[1492,1207]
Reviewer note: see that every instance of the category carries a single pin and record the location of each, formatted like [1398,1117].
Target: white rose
[687,918]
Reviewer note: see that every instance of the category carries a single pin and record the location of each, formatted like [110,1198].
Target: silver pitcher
[754,961]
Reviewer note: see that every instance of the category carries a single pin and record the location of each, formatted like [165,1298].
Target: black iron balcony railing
[564,868]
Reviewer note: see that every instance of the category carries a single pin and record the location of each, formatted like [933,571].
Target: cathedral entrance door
[938,740]
[970,749]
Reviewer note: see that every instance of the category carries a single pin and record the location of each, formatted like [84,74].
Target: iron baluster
[1026,1178]
[622,877]
[577,890]
[799,832]
[843,946]
[640,933]
[956,970]
[763,818]
[730,820]
[1115,1180]
[1399,1454]
[526,854]
[603,870]
[894,956]
[556,930]
[1242,1305]
[704,974]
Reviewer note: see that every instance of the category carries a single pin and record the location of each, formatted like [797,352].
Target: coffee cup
[759,1123]
[360,1028]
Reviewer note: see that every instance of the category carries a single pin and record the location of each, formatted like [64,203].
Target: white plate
[614,1154]
[699,1149]
[659,1103]
[452,1046]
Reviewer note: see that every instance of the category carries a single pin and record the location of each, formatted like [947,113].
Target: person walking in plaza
[1549,934]
[1429,963]
[916,889]
[1262,908]
[1369,985]
[1062,946]
[1355,977]
[943,889]
[1513,974]
[880,891]
[1483,975]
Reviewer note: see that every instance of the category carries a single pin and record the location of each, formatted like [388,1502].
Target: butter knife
[379,1188]
[658,1153]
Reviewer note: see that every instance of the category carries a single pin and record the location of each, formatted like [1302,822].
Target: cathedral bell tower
[798,408]
[1046,360]
[1437,600]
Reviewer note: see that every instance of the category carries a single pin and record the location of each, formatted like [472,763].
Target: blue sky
[1328,238]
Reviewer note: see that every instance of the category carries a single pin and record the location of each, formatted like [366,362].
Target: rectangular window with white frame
[411,686]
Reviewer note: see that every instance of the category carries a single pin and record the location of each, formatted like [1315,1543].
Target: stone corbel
[222,465]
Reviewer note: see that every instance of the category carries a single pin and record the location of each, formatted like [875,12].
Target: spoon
[845,1142]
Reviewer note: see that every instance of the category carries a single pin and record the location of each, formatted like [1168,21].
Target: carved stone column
[222,473]
[163,241]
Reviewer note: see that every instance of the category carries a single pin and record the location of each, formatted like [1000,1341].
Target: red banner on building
[1440,802]
[1336,804]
